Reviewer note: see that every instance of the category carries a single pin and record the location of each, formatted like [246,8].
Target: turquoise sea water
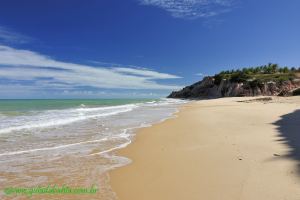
[72,140]
[13,106]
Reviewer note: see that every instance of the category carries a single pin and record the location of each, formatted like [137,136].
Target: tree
[274,68]
[285,70]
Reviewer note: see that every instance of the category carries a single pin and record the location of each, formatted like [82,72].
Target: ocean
[71,142]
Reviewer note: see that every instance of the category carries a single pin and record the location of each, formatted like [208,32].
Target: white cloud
[191,9]
[9,36]
[146,73]
[135,70]
[47,73]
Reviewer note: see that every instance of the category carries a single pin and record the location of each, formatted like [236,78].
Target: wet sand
[225,149]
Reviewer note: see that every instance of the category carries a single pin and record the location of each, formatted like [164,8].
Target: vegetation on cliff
[258,75]
[268,80]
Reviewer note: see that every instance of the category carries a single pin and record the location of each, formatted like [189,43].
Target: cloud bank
[24,69]
[191,9]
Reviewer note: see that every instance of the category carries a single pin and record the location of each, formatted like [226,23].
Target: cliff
[209,87]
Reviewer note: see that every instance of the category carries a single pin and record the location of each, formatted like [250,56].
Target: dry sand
[216,150]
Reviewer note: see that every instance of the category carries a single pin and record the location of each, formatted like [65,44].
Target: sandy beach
[227,149]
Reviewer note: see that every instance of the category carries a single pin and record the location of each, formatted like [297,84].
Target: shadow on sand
[289,133]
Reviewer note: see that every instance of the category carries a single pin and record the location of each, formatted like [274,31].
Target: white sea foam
[30,141]
[51,148]
[122,135]
[63,117]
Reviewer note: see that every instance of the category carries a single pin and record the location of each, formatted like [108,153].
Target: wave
[39,148]
[51,148]
[122,135]
[61,117]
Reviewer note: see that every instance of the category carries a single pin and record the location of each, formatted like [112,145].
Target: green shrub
[283,78]
[239,77]
[218,78]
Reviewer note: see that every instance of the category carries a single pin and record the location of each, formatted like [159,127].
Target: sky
[137,48]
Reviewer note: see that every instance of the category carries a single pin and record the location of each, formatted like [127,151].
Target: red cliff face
[208,89]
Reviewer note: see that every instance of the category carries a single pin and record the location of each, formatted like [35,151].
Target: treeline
[264,69]
[259,74]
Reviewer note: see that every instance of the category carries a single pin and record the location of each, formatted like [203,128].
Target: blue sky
[137,48]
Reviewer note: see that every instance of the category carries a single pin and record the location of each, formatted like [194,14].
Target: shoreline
[213,149]
[78,154]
